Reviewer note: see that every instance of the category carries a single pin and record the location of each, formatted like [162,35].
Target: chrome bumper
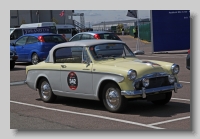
[144,91]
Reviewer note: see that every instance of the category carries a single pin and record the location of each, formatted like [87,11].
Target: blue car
[35,47]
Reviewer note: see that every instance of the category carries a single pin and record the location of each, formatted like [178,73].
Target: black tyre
[34,59]
[163,101]
[112,98]
[12,64]
[45,91]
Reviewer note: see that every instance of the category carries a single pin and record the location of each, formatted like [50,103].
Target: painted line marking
[168,121]
[183,82]
[90,115]
[181,99]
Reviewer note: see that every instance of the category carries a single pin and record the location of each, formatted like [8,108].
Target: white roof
[42,24]
[81,43]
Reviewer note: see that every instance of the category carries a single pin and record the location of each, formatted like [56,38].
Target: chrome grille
[153,83]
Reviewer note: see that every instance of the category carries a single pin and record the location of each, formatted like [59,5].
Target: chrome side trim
[144,91]
[108,73]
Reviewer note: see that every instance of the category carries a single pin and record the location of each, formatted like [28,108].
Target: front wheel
[45,91]
[112,98]
[163,101]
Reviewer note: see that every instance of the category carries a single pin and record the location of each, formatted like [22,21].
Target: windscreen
[110,50]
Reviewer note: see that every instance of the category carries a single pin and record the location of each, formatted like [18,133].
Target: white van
[43,27]
[65,30]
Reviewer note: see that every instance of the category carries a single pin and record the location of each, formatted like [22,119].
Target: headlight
[145,82]
[171,78]
[131,74]
[175,69]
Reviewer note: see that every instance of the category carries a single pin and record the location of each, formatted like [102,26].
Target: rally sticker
[72,81]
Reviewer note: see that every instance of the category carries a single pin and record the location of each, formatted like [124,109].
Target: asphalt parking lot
[28,112]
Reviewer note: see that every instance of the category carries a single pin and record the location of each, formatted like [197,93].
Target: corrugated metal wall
[145,32]
[18,17]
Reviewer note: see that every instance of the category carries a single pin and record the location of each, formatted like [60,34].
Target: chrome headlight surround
[132,74]
[171,79]
[145,82]
[175,69]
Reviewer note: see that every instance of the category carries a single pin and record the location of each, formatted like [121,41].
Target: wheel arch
[38,80]
[102,85]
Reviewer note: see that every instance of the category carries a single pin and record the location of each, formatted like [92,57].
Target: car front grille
[153,83]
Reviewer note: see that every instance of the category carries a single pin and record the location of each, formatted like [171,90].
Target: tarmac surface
[29,113]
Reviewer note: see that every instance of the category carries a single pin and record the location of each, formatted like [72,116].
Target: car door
[76,75]
[31,45]
[19,48]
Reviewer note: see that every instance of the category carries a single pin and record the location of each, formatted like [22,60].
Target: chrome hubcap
[112,98]
[45,90]
[34,59]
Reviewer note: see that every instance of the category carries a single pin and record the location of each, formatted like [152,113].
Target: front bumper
[144,91]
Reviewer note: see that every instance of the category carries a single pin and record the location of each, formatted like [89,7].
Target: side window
[21,41]
[68,55]
[92,37]
[16,34]
[85,37]
[31,40]
[76,38]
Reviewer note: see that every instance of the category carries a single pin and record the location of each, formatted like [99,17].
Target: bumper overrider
[143,91]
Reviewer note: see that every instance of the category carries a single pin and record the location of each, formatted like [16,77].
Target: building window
[13,16]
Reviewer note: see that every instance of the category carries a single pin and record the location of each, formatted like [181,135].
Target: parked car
[13,58]
[35,47]
[188,60]
[104,70]
[95,35]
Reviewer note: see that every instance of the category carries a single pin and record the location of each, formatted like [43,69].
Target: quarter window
[32,39]
[86,37]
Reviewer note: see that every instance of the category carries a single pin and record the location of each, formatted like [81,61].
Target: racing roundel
[72,81]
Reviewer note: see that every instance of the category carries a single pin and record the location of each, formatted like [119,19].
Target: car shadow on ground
[17,68]
[148,109]
[22,64]
[140,107]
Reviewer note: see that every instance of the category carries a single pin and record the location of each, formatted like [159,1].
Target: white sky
[97,16]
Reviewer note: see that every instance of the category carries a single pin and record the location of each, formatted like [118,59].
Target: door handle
[63,66]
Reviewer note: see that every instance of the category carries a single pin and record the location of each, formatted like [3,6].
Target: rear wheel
[112,98]
[163,101]
[45,91]
[34,59]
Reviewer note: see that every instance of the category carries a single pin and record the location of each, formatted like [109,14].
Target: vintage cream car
[104,70]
